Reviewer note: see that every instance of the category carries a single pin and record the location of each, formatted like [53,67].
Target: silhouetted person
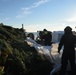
[68,40]
[47,37]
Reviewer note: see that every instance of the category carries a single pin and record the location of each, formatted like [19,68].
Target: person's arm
[75,41]
[60,44]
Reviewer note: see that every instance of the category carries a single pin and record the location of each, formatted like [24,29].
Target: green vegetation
[17,57]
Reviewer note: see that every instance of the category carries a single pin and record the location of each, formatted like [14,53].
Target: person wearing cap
[68,40]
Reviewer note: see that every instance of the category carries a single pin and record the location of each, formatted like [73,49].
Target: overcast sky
[54,15]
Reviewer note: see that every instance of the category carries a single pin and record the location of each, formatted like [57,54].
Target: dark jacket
[68,41]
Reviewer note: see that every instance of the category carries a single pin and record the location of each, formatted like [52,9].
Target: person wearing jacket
[68,40]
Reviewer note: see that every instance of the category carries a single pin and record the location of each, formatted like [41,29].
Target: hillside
[17,57]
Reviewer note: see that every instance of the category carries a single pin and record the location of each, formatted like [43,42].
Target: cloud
[72,19]
[39,3]
[19,16]
[23,14]
[28,10]
[49,27]
[31,28]
[36,4]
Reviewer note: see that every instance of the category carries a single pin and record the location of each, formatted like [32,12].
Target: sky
[35,15]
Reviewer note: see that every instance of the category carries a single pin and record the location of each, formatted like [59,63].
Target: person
[68,40]
[47,37]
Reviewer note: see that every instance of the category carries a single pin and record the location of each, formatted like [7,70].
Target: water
[35,34]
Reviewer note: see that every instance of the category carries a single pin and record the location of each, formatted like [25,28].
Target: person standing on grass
[68,40]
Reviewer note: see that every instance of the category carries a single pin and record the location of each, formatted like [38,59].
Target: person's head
[68,30]
[44,30]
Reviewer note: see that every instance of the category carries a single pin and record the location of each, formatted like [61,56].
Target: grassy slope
[17,57]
